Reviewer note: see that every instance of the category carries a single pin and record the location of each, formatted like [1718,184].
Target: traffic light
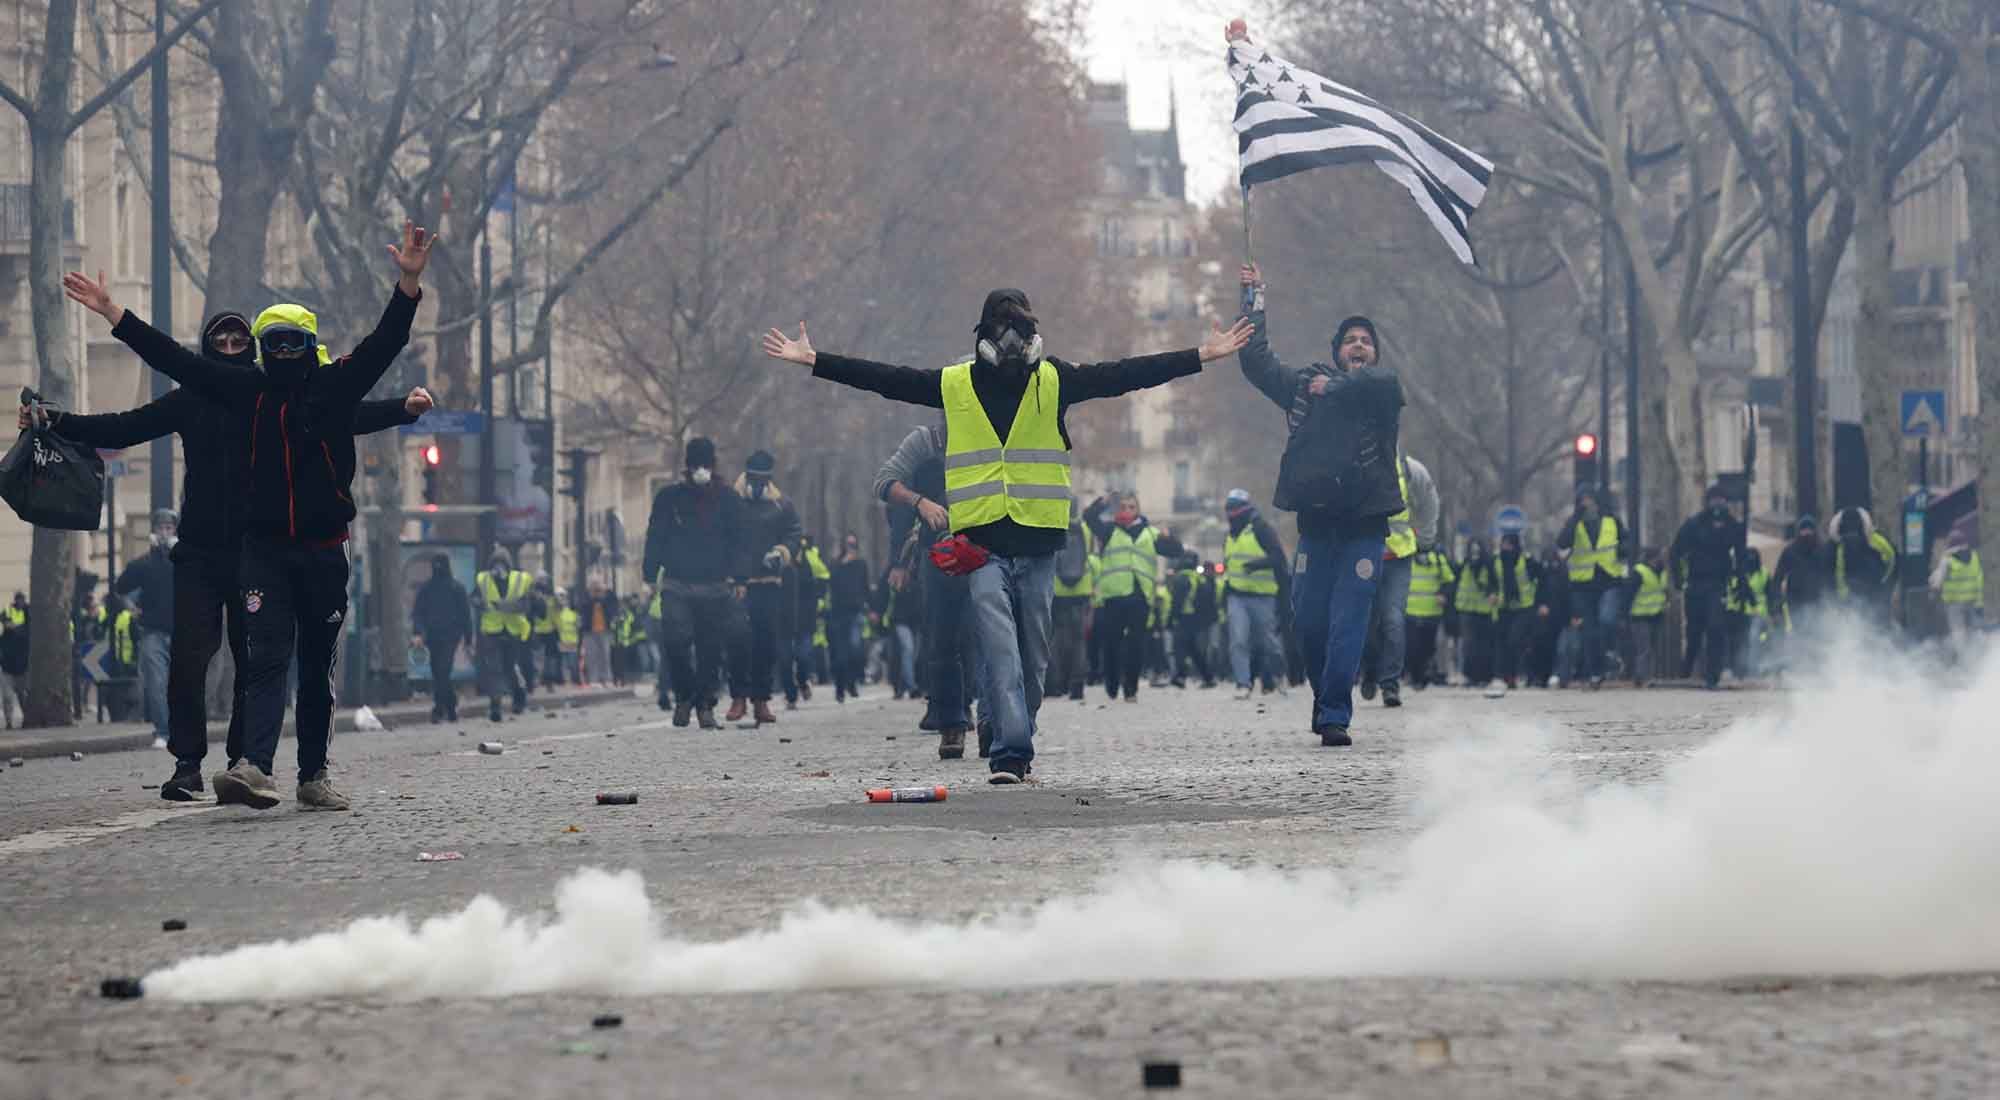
[574,474]
[1586,457]
[433,458]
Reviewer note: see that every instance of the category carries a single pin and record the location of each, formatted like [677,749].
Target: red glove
[957,556]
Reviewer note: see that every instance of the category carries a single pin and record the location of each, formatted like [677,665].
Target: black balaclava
[700,460]
[1510,552]
[245,358]
[1007,310]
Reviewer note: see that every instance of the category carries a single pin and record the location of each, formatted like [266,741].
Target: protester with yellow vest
[1478,605]
[1960,584]
[1514,624]
[1128,581]
[501,594]
[1069,615]
[1705,560]
[1864,565]
[13,656]
[548,665]
[1410,530]
[1431,580]
[1007,480]
[1749,612]
[1648,589]
[1594,540]
[809,581]
[1256,572]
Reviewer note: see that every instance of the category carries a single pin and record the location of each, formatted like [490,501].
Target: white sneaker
[1242,693]
[159,742]
[1496,689]
[1555,681]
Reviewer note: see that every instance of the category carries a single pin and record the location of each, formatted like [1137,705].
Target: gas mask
[1013,348]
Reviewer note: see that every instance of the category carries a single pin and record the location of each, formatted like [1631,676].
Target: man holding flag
[1340,472]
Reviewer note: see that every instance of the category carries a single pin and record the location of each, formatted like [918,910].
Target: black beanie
[760,464]
[996,306]
[701,452]
[1356,321]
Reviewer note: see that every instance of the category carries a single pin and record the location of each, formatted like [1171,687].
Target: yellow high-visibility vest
[547,623]
[1402,540]
[569,627]
[1087,583]
[1429,575]
[492,621]
[1755,604]
[1524,585]
[121,638]
[1242,549]
[1473,598]
[1128,565]
[1651,599]
[1587,556]
[1964,582]
[1027,478]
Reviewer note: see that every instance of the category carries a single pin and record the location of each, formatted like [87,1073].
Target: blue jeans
[945,608]
[906,659]
[1383,663]
[1253,639]
[1598,630]
[1333,598]
[154,646]
[1011,599]
[844,637]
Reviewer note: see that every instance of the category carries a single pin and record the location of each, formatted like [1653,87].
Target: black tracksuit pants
[207,609]
[696,629]
[1124,620]
[444,697]
[753,657]
[1707,630]
[294,601]
[1189,634]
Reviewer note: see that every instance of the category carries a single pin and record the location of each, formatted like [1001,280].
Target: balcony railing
[16,208]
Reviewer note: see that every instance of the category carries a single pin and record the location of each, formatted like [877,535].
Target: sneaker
[928,724]
[762,713]
[1008,774]
[318,794]
[1242,692]
[493,713]
[245,784]
[683,714]
[1555,681]
[951,746]
[1368,689]
[806,692]
[1334,737]
[159,742]
[1076,693]
[1131,698]
[791,704]
[1392,694]
[738,707]
[185,786]
[706,717]
[1495,689]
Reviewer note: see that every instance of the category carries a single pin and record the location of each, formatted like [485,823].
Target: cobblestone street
[733,828]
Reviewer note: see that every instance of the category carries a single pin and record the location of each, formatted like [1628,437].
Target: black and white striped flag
[1289,120]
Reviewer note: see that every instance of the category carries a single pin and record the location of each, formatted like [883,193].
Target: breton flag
[1289,120]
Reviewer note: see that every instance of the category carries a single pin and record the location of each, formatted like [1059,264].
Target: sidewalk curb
[130,737]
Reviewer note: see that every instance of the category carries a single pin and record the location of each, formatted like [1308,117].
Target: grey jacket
[1423,500]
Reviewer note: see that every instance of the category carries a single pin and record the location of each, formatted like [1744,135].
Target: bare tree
[50,122]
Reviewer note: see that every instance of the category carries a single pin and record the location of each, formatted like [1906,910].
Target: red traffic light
[432,455]
[1586,445]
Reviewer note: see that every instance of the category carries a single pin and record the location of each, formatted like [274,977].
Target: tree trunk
[1675,385]
[385,554]
[52,562]
[1979,142]
[1875,352]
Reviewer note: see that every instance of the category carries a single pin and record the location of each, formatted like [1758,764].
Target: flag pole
[1248,256]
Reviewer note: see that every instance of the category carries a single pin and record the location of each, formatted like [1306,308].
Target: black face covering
[221,321]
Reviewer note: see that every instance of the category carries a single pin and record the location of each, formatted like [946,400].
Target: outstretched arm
[154,419]
[222,381]
[1260,364]
[391,412]
[1086,382]
[357,372]
[907,384]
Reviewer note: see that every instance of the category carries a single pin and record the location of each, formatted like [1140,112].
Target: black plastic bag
[50,481]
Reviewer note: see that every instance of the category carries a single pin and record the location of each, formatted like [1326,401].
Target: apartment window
[1183,479]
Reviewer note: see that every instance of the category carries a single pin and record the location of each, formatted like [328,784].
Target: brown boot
[951,744]
[763,713]
[738,707]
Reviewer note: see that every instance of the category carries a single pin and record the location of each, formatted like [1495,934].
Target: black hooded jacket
[301,434]
[442,612]
[215,442]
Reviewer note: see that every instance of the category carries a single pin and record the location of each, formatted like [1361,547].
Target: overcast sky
[1154,44]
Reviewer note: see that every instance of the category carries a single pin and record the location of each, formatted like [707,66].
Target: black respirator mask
[287,353]
[1013,348]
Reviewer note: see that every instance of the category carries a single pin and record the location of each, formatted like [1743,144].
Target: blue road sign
[1510,517]
[447,422]
[1923,413]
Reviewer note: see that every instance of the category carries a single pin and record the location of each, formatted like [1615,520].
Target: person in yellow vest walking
[1431,580]
[1256,571]
[13,656]
[1127,583]
[1749,614]
[1594,540]
[1411,530]
[1513,628]
[1960,584]
[1478,605]
[569,640]
[502,595]
[1648,588]
[1076,575]
[1007,482]
[549,663]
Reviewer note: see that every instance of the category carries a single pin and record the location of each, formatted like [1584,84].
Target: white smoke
[1853,829]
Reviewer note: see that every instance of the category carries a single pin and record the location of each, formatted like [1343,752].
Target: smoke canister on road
[907,794]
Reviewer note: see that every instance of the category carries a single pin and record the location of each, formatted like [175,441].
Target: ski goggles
[287,342]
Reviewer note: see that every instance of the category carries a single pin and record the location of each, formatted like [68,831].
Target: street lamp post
[162,452]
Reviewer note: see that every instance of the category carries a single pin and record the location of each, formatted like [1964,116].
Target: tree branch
[116,87]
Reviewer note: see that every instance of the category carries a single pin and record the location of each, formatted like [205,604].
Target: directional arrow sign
[92,658]
[1923,412]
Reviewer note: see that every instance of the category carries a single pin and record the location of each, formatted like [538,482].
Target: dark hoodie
[215,441]
[301,432]
[1000,390]
[442,613]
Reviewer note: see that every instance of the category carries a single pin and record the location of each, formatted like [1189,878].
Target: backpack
[1073,560]
[1340,462]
